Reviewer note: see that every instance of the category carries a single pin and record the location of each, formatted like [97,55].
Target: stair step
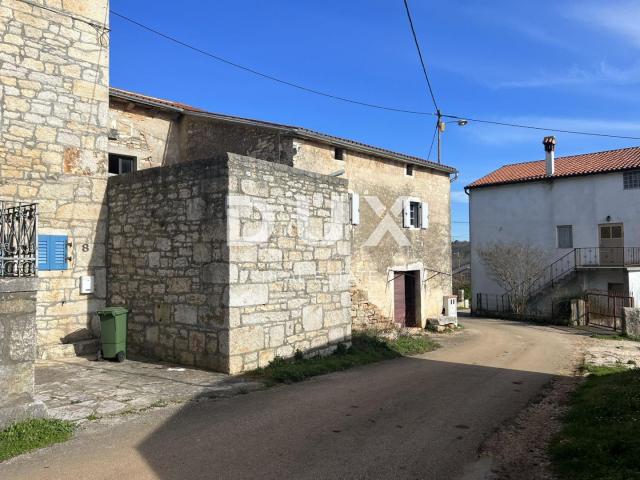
[53,351]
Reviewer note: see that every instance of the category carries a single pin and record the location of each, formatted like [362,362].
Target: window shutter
[424,215]
[406,213]
[58,252]
[355,209]
[43,252]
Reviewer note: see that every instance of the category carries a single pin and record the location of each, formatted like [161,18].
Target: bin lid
[113,311]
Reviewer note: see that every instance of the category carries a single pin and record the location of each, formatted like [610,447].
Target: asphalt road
[415,418]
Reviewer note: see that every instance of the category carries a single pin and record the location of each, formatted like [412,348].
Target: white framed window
[565,236]
[415,214]
[631,180]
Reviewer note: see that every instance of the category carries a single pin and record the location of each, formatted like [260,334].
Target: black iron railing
[607,257]
[18,239]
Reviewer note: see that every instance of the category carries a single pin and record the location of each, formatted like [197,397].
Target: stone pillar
[18,350]
[631,322]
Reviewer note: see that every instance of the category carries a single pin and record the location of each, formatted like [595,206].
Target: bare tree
[514,266]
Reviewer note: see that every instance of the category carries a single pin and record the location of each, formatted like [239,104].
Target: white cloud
[459,197]
[619,18]
[601,74]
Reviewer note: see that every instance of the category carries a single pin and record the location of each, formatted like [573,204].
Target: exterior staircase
[554,281]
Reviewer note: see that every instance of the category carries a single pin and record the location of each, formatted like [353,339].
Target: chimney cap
[549,143]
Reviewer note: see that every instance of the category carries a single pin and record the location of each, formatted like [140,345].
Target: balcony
[18,235]
[607,257]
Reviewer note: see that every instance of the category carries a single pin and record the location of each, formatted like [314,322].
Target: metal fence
[605,309]
[18,239]
[501,306]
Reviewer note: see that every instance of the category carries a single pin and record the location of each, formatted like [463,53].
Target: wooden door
[611,244]
[410,299]
[399,299]
[404,298]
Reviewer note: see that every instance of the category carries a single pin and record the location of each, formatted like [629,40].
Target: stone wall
[290,260]
[382,184]
[17,350]
[226,263]
[160,137]
[53,138]
[168,261]
[149,134]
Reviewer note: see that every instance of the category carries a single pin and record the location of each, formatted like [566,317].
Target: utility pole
[440,127]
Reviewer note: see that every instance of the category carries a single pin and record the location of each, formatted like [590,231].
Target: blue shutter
[43,252]
[52,252]
[58,252]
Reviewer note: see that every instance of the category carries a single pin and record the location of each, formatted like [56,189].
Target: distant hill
[460,253]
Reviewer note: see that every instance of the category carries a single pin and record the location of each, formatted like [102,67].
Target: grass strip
[365,348]
[600,438]
[29,435]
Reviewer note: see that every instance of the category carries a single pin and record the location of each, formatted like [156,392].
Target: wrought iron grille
[18,239]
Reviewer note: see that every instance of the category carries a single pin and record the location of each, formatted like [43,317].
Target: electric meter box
[87,284]
[450,306]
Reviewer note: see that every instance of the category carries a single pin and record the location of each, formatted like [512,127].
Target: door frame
[392,273]
[611,254]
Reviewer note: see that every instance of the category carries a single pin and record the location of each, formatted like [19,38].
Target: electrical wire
[435,131]
[65,14]
[350,100]
[265,75]
[548,129]
[424,68]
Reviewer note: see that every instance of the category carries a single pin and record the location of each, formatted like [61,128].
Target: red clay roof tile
[570,166]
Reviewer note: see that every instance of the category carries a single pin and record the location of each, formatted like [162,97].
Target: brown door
[611,244]
[399,304]
[404,298]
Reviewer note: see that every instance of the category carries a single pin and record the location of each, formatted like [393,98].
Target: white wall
[529,213]
[634,286]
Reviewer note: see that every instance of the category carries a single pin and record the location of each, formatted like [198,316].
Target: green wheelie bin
[113,328]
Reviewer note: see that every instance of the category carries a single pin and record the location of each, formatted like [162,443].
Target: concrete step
[53,351]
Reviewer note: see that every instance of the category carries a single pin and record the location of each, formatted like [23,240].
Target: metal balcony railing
[607,257]
[18,239]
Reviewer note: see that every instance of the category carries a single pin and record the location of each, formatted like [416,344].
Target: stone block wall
[168,261]
[226,263]
[17,350]
[53,139]
[290,261]
[381,245]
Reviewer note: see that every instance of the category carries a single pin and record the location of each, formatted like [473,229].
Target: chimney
[550,148]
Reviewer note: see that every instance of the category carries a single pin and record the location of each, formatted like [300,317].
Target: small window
[605,232]
[119,164]
[565,236]
[409,170]
[52,252]
[616,231]
[338,153]
[631,180]
[414,214]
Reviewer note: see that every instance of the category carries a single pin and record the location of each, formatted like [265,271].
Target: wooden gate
[605,309]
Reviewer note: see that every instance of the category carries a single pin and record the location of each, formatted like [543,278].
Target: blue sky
[564,64]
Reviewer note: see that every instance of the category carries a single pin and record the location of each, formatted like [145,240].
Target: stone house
[357,234]
[400,257]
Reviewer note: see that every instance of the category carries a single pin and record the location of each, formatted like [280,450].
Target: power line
[532,127]
[265,75]
[424,68]
[66,14]
[350,100]
[435,131]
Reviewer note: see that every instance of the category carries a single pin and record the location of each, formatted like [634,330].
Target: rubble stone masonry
[53,142]
[226,263]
